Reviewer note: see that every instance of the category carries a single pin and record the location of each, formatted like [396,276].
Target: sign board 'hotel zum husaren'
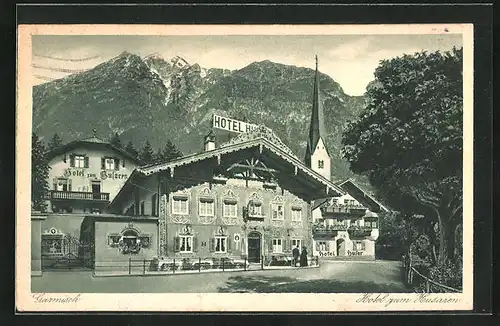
[248,199]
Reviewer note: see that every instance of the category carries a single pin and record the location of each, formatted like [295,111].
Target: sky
[349,59]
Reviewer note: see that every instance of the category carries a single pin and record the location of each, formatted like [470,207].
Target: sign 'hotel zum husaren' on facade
[248,199]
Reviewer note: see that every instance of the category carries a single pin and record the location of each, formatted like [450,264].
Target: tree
[408,140]
[147,153]
[54,142]
[39,174]
[131,149]
[115,141]
[168,153]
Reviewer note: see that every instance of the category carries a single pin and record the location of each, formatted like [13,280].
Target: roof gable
[361,195]
[260,143]
[90,142]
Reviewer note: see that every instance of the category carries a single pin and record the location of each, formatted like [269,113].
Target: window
[296,214]
[142,208]
[350,202]
[62,184]
[296,243]
[186,244]
[154,201]
[358,245]
[278,212]
[321,245]
[180,205]
[277,245]
[220,244]
[255,208]
[206,207]
[229,208]
[109,164]
[321,164]
[79,161]
[371,224]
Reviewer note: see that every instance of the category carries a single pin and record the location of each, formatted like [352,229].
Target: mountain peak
[154,56]
[126,54]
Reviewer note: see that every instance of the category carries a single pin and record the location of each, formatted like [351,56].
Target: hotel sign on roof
[232,125]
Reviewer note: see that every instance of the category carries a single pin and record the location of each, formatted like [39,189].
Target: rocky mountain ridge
[154,99]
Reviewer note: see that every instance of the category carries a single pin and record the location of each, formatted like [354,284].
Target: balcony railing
[76,195]
[345,208]
[353,230]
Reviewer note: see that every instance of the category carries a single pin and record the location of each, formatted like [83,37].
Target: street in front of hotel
[330,277]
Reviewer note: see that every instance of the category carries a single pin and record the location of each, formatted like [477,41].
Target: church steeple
[317,156]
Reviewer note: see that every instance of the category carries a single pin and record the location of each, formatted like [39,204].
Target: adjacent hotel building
[249,197]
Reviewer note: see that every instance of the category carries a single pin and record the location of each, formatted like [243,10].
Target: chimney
[209,141]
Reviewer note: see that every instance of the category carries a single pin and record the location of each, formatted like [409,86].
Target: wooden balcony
[322,230]
[344,209]
[77,195]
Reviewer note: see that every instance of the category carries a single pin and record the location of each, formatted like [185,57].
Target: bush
[449,274]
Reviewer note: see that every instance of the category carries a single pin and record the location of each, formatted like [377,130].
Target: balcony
[76,195]
[344,209]
[319,229]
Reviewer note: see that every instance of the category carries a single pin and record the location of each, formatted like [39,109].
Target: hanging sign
[232,125]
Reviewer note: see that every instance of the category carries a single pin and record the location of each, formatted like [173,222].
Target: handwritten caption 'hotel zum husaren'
[387,299]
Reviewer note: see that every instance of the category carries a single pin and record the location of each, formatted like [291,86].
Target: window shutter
[117,164]
[212,244]
[72,160]
[270,244]
[327,246]
[55,183]
[177,244]
[195,244]
[86,161]
[69,184]
[317,245]
[103,163]
[228,244]
[284,245]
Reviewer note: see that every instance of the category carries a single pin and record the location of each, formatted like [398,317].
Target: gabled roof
[154,168]
[260,132]
[317,128]
[92,141]
[266,146]
[361,195]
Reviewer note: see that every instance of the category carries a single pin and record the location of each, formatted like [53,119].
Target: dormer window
[321,164]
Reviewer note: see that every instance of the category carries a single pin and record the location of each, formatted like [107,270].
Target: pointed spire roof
[317,127]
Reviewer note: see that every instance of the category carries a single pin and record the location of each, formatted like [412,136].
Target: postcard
[244,168]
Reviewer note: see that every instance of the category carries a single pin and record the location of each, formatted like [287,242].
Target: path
[330,277]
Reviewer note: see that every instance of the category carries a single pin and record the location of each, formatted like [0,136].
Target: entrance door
[254,240]
[340,247]
[96,190]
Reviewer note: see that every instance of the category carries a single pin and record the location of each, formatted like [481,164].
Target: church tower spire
[317,155]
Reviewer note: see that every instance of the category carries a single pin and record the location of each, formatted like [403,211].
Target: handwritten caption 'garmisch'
[388,299]
[45,298]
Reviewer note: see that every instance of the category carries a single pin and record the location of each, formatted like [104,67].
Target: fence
[194,265]
[414,279]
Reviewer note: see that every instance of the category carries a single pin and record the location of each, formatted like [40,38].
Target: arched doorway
[340,247]
[254,245]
